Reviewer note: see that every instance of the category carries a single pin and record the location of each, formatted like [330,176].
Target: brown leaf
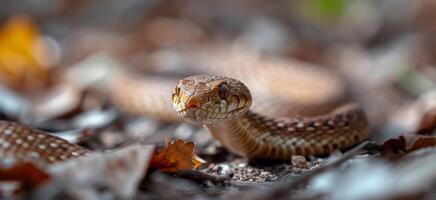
[407,143]
[26,174]
[175,156]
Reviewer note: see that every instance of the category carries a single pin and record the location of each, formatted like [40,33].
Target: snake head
[205,99]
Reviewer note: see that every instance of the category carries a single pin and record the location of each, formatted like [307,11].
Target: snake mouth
[197,109]
[202,116]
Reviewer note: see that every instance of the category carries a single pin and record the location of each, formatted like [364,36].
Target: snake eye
[177,91]
[223,91]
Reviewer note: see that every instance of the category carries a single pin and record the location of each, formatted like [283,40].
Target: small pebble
[299,162]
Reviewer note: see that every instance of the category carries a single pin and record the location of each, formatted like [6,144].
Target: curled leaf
[176,156]
[421,138]
[407,143]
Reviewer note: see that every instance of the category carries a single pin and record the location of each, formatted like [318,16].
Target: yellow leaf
[21,54]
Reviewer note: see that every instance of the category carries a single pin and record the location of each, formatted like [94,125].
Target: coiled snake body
[222,105]
[280,90]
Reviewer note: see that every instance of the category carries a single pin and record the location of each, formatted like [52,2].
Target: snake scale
[257,113]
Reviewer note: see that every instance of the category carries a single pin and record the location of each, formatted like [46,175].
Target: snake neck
[247,135]
[256,136]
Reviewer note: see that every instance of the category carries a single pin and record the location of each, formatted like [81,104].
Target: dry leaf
[121,171]
[374,178]
[407,143]
[27,175]
[397,147]
[23,55]
[175,156]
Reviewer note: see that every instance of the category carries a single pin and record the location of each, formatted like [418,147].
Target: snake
[256,106]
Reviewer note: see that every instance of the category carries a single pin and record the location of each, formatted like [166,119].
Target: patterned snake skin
[279,90]
[25,143]
[222,105]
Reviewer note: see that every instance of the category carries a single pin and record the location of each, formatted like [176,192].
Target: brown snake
[280,89]
[222,105]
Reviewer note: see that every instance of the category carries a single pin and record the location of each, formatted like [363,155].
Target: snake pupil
[223,91]
[178,91]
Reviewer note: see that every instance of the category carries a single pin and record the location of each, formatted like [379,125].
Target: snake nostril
[193,103]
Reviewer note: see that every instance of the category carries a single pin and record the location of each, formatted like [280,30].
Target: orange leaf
[175,156]
[26,174]
[22,54]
